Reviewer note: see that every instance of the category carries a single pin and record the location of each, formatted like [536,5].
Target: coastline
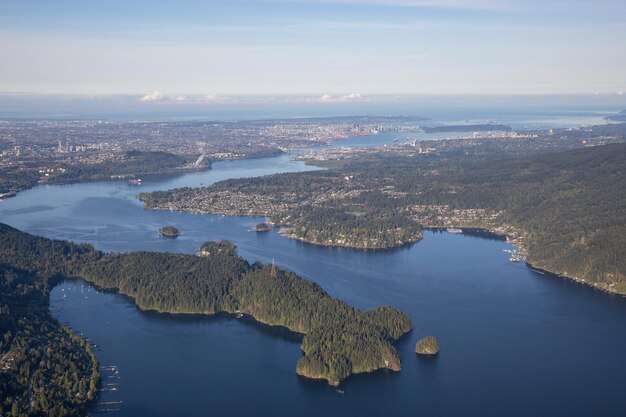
[203,314]
[534,267]
[126,177]
[504,232]
[249,317]
[332,245]
[246,317]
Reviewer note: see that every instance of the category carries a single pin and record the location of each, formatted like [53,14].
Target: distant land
[467,128]
[68,151]
[619,117]
[130,165]
[564,210]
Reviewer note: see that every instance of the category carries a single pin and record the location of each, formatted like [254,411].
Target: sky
[191,51]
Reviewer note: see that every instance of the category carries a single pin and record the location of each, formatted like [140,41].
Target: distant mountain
[619,117]
[467,128]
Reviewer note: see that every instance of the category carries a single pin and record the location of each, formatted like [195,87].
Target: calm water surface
[514,342]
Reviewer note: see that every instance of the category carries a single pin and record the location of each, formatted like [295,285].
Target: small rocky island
[427,346]
[262,227]
[169,231]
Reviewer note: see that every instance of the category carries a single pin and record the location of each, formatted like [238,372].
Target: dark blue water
[514,342]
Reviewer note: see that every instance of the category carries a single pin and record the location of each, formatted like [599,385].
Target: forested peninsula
[129,165]
[566,210]
[339,340]
[45,369]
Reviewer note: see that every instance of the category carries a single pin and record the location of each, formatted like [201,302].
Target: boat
[453,230]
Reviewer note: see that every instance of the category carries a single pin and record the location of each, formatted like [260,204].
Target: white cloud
[213,98]
[188,98]
[327,98]
[156,96]
[351,96]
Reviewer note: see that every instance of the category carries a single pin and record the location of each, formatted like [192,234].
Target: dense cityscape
[50,151]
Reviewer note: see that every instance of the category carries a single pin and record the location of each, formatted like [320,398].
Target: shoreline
[245,316]
[248,318]
[126,178]
[474,231]
[360,248]
[576,280]
[522,250]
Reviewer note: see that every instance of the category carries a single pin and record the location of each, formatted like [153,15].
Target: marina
[514,255]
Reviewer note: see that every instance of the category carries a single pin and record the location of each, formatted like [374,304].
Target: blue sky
[323,50]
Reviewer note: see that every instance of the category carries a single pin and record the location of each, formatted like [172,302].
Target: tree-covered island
[169,231]
[339,340]
[262,227]
[427,346]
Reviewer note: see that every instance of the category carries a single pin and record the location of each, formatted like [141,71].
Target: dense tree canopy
[339,339]
[45,369]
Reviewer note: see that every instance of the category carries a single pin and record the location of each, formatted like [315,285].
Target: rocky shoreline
[285,231]
[511,235]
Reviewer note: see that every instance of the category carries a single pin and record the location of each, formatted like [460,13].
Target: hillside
[566,210]
[45,369]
